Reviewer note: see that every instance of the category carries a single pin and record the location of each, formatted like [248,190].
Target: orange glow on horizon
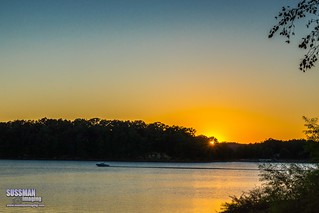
[183,73]
[236,124]
[212,143]
[219,137]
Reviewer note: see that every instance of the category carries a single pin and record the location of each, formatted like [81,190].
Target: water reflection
[68,186]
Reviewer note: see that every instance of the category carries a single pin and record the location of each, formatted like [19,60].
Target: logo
[24,198]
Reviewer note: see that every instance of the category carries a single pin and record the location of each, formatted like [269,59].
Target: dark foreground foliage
[286,188]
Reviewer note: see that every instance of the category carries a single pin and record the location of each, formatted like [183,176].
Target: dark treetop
[97,139]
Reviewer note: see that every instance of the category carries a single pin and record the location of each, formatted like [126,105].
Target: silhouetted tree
[133,140]
[99,139]
[312,132]
[287,17]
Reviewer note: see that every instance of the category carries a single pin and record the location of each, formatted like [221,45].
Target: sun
[218,136]
[212,142]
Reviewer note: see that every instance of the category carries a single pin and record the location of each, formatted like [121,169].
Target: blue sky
[206,64]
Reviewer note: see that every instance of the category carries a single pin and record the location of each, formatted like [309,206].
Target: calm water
[73,186]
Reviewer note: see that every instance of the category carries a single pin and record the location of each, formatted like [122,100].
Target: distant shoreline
[171,161]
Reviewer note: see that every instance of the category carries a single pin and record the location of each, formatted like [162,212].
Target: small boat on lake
[102,165]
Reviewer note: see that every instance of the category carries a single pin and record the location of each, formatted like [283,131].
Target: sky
[205,64]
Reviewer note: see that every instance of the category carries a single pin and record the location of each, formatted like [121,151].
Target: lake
[81,186]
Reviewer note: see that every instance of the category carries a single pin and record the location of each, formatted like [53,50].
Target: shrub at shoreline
[285,188]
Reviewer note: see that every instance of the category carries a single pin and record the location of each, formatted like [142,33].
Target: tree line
[269,150]
[99,139]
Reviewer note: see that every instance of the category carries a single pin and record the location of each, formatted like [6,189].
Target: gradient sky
[206,64]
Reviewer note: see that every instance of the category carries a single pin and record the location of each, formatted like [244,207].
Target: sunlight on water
[70,186]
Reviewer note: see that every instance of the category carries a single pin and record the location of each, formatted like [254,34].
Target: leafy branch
[286,28]
[312,132]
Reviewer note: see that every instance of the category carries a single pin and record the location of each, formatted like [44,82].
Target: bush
[285,188]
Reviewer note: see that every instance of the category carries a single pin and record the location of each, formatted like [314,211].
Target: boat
[102,165]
